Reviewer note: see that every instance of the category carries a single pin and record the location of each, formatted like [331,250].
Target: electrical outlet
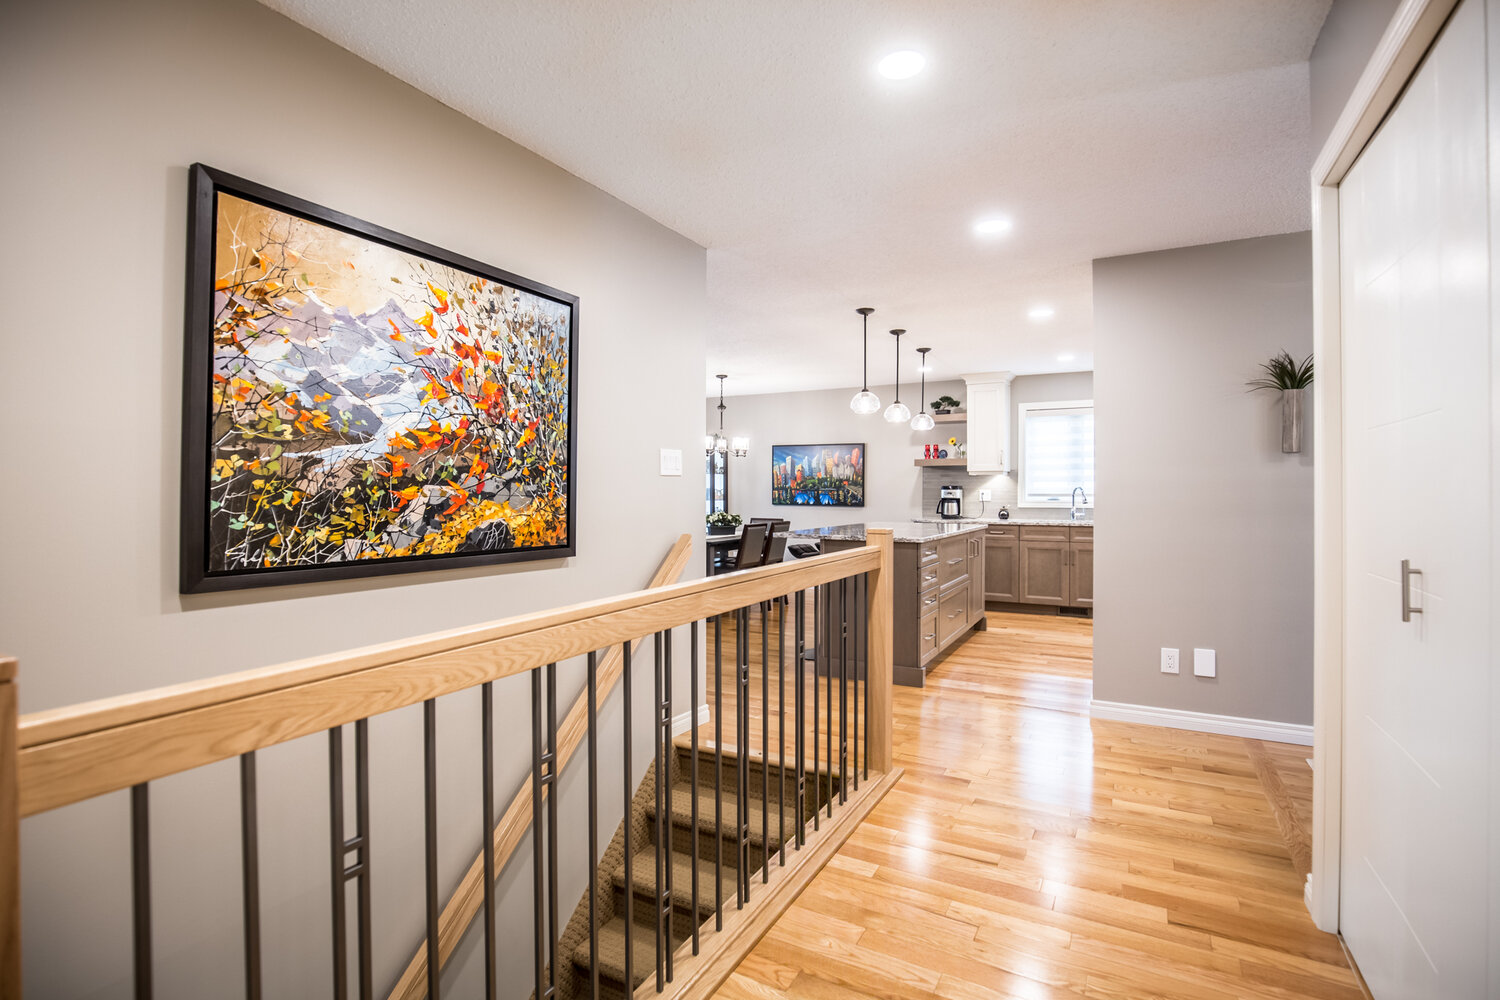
[1205,663]
[984,496]
[1168,661]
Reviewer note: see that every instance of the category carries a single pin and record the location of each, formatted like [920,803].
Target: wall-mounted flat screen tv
[818,475]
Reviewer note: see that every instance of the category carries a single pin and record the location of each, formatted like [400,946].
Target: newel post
[10,837]
[879,671]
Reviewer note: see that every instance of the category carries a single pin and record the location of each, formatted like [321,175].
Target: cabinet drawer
[1082,533]
[927,636]
[1002,530]
[927,602]
[1044,532]
[927,577]
[953,561]
[927,552]
[953,614]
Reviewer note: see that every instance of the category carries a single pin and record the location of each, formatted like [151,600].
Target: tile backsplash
[1002,491]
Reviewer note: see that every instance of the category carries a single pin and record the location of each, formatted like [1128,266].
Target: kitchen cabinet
[1050,564]
[989,422]
[938,599]
[1002,564]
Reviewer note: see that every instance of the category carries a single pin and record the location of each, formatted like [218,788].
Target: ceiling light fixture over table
[717,442]
[865,401]
[898,412]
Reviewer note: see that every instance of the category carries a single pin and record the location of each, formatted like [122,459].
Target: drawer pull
[955,562]
[954,614]
[930,600]
[929,637]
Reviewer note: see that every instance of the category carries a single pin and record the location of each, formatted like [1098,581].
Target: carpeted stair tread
[612,951]
[682,814]
[644,875]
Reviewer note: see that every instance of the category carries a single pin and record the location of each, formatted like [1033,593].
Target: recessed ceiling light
[1041,313]
[1065,358]
[902,65]
[995,225]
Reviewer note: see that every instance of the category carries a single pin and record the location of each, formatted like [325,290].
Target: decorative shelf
[950,418]
[950,462]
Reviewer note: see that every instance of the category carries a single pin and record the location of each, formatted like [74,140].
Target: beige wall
[896,490]
[106,106]
[1349,36]
[1205,537]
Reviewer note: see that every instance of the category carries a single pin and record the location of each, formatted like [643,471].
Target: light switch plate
[671,461]
[1204,663]
[1169,660]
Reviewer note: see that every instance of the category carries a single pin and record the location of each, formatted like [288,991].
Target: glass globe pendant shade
[922,421]
[741,447]
[898,412]
[865,402]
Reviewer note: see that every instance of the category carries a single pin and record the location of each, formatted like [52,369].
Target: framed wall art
[357,402]
[818,475]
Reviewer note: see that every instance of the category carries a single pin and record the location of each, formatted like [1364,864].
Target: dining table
[716,546]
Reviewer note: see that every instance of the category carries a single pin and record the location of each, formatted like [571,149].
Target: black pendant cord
[897,334]
[923,369]
[865,377]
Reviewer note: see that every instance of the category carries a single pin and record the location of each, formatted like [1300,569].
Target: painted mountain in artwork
[367,403]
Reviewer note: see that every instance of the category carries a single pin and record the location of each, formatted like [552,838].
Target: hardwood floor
[1031,852]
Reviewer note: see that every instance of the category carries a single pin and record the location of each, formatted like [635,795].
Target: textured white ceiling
[762,131]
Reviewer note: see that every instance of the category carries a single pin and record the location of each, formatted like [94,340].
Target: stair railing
[55,758]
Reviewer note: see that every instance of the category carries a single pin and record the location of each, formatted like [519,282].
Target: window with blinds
[1057,452]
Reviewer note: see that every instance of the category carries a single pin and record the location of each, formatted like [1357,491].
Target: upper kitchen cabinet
[989,422]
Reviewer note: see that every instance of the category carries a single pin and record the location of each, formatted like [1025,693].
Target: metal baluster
[662,804]
[362,865]
[781,727]
[629,849]
[820,650]
[537,888]
[250,872]
[765,742]
[544,859]
[429,808]
[742,744]
[693,771]
[140,887]
[487,842]
[718,772]
[593,738]
[799,718]
[828,640]
[665,737]
[843,691]
[552,809]
[859,667]
[865,645]
[336,861]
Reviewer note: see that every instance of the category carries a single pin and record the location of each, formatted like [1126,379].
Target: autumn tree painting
[368,403]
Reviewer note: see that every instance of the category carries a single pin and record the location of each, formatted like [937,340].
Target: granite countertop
[901,531]
[1087,522]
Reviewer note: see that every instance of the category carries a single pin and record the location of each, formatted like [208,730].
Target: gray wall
[1350,33]
[896,490]
[1205,538]
[115,101]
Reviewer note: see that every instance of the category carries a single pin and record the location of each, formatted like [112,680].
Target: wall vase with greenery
[1291,378]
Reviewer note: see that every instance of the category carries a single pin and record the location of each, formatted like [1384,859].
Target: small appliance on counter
[1004,514]
[950,502]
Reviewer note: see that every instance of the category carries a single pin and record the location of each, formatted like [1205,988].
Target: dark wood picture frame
[195,576]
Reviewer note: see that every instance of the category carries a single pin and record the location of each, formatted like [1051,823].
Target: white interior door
[1414,269]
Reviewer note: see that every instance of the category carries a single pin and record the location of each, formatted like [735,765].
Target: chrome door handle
[1406,574]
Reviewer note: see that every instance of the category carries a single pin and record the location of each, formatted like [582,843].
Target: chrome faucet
[1078,512]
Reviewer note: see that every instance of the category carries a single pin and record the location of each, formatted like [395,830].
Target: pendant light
[865,401]
[716,442]
[923,421]
[898,412]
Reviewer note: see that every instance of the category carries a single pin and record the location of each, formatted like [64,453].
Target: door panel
[1044,572]
[1414,274]
[1002,570]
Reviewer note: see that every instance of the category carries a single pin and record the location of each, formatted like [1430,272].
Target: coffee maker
[950,502]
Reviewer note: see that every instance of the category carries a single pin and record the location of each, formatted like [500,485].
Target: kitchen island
[938,587]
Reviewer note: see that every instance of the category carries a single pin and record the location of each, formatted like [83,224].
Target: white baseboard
[1204,722]
[682,723]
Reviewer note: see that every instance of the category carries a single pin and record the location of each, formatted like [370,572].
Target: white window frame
[1023,498]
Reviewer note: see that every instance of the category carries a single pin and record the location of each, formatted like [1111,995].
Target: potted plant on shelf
[1291,378]
[945,404]
[721,522]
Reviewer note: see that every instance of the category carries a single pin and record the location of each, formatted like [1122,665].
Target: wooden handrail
[71,754]
[468,897]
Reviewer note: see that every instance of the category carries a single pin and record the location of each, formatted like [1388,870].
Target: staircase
[766,826]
